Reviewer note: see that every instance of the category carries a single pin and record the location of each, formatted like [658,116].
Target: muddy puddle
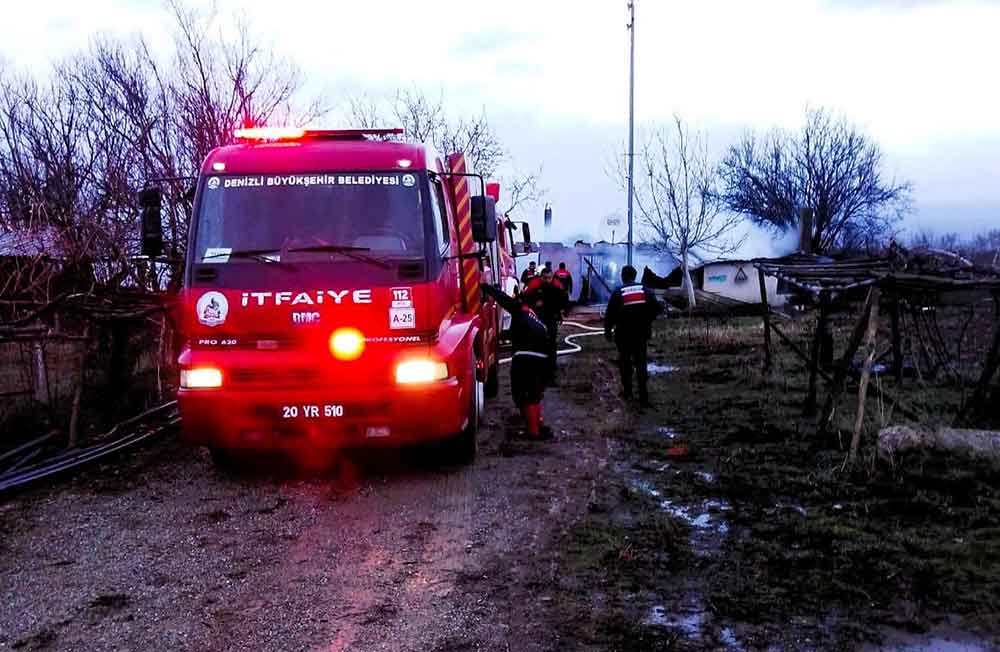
[655,369]
[669,433]
[706,525]
[688,492]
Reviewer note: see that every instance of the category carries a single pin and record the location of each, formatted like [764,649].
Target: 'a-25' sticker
[401,312]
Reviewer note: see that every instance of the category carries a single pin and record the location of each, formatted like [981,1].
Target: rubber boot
[533,417]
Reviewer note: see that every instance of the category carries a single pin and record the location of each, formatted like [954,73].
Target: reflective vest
[633,295]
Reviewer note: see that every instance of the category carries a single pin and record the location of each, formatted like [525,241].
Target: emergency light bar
[297,133]
[269,133]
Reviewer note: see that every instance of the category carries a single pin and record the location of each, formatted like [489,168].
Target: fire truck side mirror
[484,219]
[526,234]
[150,223]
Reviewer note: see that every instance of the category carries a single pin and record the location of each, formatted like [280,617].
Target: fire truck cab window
[440,215]
[379,211]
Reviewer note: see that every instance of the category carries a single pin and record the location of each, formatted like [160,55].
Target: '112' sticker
[401,312]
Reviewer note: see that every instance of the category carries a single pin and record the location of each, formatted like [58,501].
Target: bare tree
[986,246]
[74,150]
[831,167]
[946,241]
[425,120]
[678,200]
[520,189]
[983,248]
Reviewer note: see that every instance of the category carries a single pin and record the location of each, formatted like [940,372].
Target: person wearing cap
[628,323]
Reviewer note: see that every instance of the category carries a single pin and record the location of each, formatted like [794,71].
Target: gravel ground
[386,551]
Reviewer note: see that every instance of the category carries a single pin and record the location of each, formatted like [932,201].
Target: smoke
[765,243]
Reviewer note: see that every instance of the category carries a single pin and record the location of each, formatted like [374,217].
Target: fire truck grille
[289,377]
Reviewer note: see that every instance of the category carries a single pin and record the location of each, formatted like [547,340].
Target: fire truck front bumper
[342,417]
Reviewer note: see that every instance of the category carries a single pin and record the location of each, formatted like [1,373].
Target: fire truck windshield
[310,217]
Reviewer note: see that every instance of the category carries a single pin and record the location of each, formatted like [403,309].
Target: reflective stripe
[633,294]
[533,354]
[463,202]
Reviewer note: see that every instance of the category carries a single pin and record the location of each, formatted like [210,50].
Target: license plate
[312,411]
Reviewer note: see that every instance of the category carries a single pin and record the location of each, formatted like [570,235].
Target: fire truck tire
[492,381]
[223,458]
[462,448]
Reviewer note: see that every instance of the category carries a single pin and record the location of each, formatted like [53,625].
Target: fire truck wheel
[223,458]
[493,381]
[462,448]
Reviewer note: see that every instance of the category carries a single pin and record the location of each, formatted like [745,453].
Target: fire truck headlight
[347,344]
[420,371]
[201,378]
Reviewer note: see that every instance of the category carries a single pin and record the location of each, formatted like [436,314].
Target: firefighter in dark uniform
[564,277]
[529,273]
[628,322]
[529,363]
[547,298]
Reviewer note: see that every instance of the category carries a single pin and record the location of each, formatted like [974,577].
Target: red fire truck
[331,294]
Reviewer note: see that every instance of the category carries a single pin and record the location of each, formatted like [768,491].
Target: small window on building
[740,275]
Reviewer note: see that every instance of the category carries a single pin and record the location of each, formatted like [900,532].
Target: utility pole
[631,119]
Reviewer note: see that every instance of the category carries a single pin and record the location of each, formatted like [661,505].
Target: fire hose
[137,429]
[570,339]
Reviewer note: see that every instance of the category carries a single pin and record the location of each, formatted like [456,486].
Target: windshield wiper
[260,255]
[350,252]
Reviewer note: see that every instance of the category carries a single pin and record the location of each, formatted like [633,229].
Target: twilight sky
[919,75]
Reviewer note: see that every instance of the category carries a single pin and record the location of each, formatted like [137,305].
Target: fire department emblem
[213,183]
[212,308]
[409,180]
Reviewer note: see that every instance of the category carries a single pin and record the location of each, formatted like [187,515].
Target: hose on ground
[570,339]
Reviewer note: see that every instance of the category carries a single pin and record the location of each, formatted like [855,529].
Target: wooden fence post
[897,341]
[839,382]
[40,375]
[74,417]
[809,409]
[767,320]
[865,375]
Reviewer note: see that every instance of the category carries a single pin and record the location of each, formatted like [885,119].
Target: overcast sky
[919,76]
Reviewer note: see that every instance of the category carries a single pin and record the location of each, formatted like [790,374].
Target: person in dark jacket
[530,272]
[547,298]
[529,362]
[565,278]
[628,322]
